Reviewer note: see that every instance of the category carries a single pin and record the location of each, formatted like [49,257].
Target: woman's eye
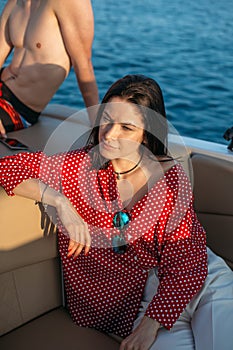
[125,127]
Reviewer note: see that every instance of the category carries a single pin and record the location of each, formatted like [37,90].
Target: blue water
[187,46]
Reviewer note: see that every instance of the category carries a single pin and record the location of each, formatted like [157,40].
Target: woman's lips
[108,146]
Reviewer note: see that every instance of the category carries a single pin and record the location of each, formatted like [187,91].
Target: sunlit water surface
[187,46]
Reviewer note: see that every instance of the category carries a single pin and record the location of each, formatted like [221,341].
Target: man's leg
[10,119]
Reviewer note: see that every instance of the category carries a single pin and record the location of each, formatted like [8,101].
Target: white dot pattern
[104,289]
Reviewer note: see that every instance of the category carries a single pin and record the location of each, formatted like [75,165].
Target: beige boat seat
[213,192]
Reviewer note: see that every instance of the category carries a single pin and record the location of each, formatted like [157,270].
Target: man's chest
[33,28]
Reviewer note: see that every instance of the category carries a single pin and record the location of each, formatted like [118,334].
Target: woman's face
[121,130]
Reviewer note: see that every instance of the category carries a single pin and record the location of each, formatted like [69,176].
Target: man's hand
[143,336]
[2,130]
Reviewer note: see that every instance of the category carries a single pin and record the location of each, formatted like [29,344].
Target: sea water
[186,46]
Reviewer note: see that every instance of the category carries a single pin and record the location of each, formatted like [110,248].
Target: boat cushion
[56,331]
[213,192]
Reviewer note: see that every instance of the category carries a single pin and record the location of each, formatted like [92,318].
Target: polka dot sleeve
[23,166]
[18,168]
[182,267]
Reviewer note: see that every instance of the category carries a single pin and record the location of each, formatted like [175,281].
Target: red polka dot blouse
[104,289]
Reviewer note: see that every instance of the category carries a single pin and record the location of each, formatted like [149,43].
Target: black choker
[118,174]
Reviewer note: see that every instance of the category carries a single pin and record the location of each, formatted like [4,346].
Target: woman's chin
[108,153]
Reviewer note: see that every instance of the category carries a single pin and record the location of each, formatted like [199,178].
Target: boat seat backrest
[213,192]
[30,279]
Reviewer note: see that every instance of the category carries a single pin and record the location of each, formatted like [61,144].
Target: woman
[133,252]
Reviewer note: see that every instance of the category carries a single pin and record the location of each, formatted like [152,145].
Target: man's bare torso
[40,62]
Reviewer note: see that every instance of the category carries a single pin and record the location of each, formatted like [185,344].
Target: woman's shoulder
[76,154]
[177,179]
[167,163]
[70,158]
[80,152]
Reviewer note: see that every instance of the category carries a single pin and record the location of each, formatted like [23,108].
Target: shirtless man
[48,37]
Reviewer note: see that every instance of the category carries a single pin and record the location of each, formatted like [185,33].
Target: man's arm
[76,21]
[5,43]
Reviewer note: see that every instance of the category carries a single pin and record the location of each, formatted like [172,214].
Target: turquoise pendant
[121,219]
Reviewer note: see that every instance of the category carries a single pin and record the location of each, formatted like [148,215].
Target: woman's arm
[76,227]
[181,246]
[143,336]
[26,174]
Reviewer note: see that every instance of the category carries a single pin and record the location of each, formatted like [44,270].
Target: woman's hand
[76,227]
[143,336]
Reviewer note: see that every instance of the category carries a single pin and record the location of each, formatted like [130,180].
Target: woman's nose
[111,131]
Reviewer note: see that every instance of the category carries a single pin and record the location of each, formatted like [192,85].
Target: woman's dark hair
[147,95]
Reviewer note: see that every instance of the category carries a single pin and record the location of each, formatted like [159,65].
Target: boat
[33,312]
